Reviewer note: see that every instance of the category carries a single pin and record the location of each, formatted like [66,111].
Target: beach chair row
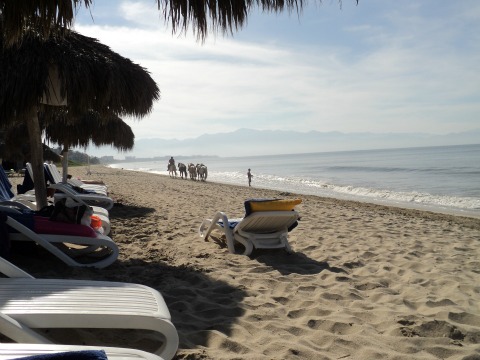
[28,304]
[67,241]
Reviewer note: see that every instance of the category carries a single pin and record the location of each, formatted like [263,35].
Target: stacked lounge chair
[63,190]
[64,240]
[28,304]
[27,202]
[93,188]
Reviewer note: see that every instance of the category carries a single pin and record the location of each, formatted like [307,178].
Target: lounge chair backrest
[54,173]
[42,225]
[5,192]
[27,181]
[50,176]
[6,183]
[254,205]
[266,222]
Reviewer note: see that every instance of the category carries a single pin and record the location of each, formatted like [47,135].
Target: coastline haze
[249,142]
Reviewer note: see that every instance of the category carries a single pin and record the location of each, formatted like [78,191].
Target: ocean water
[443,179]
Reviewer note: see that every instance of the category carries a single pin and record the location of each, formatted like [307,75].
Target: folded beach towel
[231,223]
[26,185]
[253,205]
[43,225]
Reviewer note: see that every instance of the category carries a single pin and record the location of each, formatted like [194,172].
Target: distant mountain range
[247,142]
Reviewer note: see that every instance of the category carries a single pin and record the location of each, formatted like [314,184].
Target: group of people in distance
[195,171]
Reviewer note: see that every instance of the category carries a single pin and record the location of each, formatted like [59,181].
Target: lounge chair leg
[248,249]
[285,242]
[20,333]
[206,225]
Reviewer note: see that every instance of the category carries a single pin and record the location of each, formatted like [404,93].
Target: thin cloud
[401,69]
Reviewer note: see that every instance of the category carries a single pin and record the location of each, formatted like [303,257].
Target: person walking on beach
[250,176]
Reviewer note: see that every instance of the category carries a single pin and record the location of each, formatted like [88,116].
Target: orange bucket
[96,222]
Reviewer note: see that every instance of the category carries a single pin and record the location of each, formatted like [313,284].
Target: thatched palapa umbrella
[88,72]
[60,128]
[204,17]
[78,131]
[90,127]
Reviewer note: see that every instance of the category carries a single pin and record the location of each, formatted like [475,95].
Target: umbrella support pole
[36,151]
[65,164]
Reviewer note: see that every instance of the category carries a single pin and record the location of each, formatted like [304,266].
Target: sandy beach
[364,281]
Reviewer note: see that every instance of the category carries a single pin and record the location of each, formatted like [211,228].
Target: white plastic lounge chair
[100,189]
[7,195]
[94,200]
[27,304]
[265,225]
[15,351]
[65,241]
[72,194]
[20,203]
[74,198]
[24,203]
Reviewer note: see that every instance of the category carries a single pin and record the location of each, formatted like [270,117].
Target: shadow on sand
[188,292]
[295,263]
[127,211]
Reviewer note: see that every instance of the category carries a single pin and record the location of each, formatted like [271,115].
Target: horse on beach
[183,169]
[192,170]
[202,172]
[172,170]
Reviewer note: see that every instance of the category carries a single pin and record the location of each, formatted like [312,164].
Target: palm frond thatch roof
[79,131]
[49,16]
[84,71]
[46,16]
[225,16]
[91,75]
[60,128]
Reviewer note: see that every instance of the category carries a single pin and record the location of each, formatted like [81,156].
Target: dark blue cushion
[70,355]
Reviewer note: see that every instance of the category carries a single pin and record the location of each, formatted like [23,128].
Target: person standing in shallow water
[250,176]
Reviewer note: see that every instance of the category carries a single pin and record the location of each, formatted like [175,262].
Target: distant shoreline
[134,158]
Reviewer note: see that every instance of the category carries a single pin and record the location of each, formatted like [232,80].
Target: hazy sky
[381,66]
